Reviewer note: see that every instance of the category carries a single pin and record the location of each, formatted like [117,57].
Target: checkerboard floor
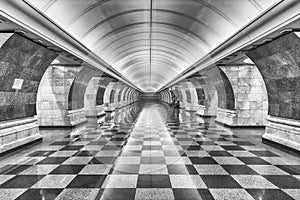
[151,156]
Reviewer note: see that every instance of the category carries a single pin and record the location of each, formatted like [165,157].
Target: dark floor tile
[181,169]
[40,194]
[153,181]
[40,154]
[284,181]
[253,161]
[291,169]
[220,139]
[192,147]
[192,194]
[238,169]
[220,181]
[61,143]
[228,136]
[53,160]
[134,153]
[125,169]
[153,160]
[185,139]
[72,148]
[243,143]
[98,143]
[103,160]
[22,181]
[206,143]
[268,194]
[112,147]
[87,181]
[219,153]
[152,147]
[13,169]
[203,160]
[152,139]
[117,194]
[67,169]
[232,148]
[86,153]
[264,154]
[191,169]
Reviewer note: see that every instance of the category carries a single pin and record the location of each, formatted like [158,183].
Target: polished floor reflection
[150,151]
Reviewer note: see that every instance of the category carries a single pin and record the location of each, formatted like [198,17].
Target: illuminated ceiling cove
[151,41]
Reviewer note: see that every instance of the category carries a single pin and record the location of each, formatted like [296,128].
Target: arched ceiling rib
[142,41]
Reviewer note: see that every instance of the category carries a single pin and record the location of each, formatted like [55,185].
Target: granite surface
[21,58]
[279,64]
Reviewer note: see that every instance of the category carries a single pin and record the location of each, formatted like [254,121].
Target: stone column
[53,93]
[250,94]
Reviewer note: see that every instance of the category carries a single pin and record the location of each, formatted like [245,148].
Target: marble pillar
[53,94]
[250,94]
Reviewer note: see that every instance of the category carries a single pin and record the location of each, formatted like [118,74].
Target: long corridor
[151,154]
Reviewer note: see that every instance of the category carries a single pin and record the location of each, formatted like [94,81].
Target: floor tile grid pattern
[151,158]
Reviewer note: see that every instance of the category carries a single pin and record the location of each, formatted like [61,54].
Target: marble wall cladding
[223,87]
[21,58]
[76,95]
[201,96]
[53,92]
[279,64]
[251,100]
[100,96]
[90,96]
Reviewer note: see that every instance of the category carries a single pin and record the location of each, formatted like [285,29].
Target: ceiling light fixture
[288,30]
[20,31]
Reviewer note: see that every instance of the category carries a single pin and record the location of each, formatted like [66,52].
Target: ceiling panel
[151,41]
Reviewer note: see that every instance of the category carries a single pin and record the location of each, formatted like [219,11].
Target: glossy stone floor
[153,154]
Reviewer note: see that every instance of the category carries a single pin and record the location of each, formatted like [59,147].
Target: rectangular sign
[18,83]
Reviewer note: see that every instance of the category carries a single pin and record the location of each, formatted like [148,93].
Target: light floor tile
[120,181]
[54,181]
[268,170]
[154,194]
[210,170]
[231,194]
[254,182]
[187,181]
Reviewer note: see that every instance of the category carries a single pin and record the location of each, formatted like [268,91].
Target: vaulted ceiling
[151,41]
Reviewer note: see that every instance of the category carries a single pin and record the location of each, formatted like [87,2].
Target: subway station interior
[149,99]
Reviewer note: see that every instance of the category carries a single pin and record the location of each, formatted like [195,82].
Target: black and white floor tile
[154,158]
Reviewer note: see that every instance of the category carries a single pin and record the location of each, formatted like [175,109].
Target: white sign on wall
[18,83]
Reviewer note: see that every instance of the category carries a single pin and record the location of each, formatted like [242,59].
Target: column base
[76,117]
[227,117]
[285,132]
[16,133]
